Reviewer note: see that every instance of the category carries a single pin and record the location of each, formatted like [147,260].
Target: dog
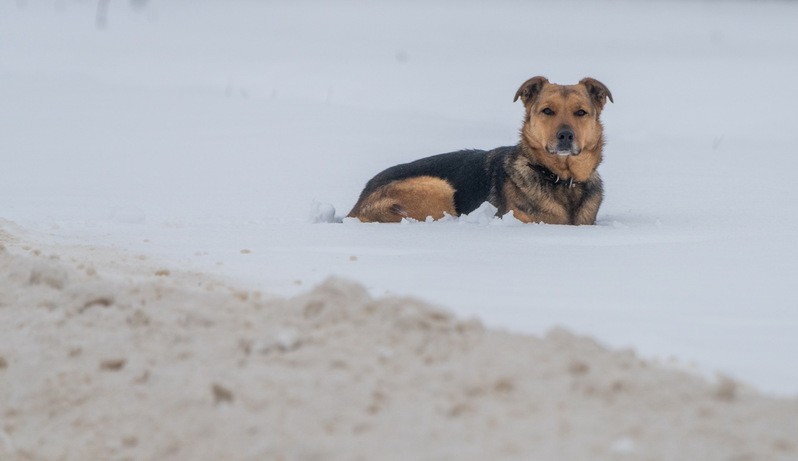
[548,177]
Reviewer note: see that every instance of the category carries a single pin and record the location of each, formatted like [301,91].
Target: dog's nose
[565,135]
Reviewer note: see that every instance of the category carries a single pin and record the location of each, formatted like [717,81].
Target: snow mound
[486,215]
[322,213]
[121,360]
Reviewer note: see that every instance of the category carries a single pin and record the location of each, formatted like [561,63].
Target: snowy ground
[191,131]
[106,356]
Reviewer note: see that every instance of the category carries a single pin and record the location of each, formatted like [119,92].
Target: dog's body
[550,176]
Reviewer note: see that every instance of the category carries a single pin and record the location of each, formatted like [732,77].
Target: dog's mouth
[564,142]
[564,151]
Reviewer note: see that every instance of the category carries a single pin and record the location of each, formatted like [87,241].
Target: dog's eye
[580,113]
[548,111]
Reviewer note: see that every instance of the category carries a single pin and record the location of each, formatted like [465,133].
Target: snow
[179,365]
[189,131]
[322,212]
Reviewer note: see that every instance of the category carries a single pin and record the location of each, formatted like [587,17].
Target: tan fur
[540,130]
[558,206]
[586,215]
[550,211]
[415,198]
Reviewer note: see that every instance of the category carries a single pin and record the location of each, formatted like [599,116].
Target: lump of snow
[507,219]
[486,215]
[482,215]
[322,212]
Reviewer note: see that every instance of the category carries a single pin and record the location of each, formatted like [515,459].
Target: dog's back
[454,183]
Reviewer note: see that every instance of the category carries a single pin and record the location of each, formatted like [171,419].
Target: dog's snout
[565,140]
[565,135]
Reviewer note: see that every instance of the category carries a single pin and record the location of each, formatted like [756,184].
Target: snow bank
[110,356]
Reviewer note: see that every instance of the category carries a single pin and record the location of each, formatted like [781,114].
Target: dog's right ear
[530,89]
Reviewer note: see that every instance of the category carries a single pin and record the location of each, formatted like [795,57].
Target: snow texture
[106,355]
[200,133]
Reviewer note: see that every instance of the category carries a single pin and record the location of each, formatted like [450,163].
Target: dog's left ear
[597,91]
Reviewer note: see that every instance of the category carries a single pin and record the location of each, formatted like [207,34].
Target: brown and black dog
[549,176]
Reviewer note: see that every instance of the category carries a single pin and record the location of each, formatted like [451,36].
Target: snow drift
[106,355]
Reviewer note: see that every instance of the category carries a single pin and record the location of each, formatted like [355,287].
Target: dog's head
[562,129]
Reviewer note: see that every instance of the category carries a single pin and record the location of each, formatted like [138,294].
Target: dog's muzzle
[566,143]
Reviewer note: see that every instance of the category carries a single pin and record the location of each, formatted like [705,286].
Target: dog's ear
[597,91]
[530,89]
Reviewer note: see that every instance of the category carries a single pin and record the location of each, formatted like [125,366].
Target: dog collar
[552,177]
